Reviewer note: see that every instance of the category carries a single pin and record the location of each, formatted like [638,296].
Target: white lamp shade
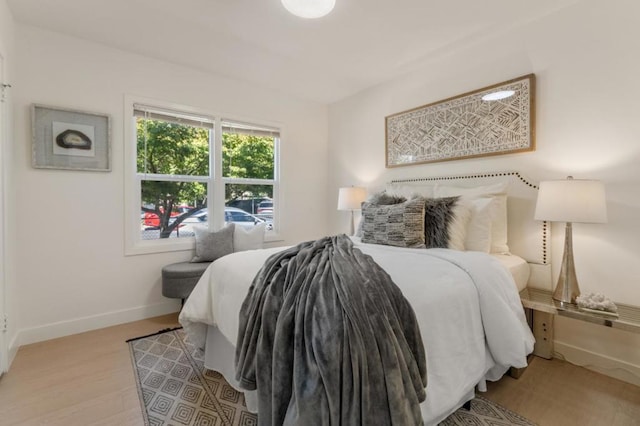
[309,8]
[351,198]
[571,200]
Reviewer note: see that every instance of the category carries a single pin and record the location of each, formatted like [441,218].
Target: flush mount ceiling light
[496,96]
[309,8]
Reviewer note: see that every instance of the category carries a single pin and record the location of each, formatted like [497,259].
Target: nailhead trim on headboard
[545,224]
[459,177]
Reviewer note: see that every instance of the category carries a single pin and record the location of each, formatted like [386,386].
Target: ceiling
[360,44]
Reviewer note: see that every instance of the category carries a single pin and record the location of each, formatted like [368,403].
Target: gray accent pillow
[381,198]
[213,245]
[400,225]
[445,222]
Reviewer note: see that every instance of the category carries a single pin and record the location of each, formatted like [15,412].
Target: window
[249,170]
[193,170]
[173,170]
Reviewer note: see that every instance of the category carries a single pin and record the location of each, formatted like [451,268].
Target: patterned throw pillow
[445,222]
[400,225]
[212,245]
[379,199]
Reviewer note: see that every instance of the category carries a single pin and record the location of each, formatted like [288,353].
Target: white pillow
[245,238]
[409,190]
[479,226]
[499,211]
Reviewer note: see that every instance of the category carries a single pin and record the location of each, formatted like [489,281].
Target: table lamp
[351,198]
[570,200]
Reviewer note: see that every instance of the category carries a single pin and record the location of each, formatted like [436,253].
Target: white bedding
[517,266]
[453,294]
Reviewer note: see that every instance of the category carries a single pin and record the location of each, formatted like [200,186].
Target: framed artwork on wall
[494,120]
[70,139]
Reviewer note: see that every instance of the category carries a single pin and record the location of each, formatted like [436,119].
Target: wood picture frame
[464,126]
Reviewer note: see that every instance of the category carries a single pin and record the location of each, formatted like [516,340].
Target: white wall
[587,69]
[72,274]
[7,287]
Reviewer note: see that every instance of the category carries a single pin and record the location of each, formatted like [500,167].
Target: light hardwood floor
[87,379]
[557,393]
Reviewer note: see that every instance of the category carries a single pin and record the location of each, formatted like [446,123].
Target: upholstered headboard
[527,237]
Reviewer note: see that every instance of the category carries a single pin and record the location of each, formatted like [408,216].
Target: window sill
[159,246]
[174,245]
[273,238]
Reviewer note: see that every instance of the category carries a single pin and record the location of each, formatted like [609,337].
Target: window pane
[173,149]
[174,172]
[248,205]
[247,156]
[184,202]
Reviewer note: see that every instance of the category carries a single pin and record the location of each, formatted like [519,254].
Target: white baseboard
[599,363]
[94,322]
[13,350]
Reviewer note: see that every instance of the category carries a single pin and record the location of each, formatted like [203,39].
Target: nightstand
[541,308]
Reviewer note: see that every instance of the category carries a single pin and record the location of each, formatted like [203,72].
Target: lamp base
[351,226]
[567,288]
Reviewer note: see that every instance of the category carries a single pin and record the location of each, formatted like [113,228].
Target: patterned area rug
[485,413]
[175,389]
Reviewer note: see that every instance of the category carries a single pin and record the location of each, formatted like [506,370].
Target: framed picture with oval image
[70,139]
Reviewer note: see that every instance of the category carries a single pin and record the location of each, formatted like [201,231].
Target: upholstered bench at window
[179,279]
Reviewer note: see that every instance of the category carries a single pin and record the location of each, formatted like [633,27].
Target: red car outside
[152,219]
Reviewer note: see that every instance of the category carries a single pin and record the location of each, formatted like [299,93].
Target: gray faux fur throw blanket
[327,338]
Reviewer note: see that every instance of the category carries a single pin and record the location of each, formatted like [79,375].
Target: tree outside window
[248,171]
[174,156]
[169,149]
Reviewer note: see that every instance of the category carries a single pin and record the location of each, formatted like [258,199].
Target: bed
[466,302]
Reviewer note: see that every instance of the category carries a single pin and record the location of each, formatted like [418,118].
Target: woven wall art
[465,126]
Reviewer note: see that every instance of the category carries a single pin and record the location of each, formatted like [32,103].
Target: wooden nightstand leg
[542,328]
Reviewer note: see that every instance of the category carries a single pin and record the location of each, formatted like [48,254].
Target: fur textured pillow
[499,214]
[212,245]
[385,199]
[445,222]
[400,225]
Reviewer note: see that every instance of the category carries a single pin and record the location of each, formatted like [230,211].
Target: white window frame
[134,245]
[271,235]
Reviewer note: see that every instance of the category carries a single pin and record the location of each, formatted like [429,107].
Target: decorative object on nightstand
[351,198]
[597,303]
[570,200]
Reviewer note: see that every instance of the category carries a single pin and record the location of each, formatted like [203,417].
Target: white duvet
[467,305]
